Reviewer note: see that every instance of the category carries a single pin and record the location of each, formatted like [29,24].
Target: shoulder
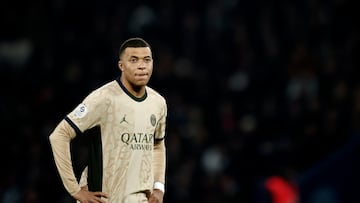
[155,94]
[104,90]
[106,87]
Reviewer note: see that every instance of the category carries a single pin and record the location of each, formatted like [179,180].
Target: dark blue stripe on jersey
[95,160]
[158,140]
[72,124]
[138,99]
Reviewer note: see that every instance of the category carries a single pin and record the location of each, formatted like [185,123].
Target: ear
[120,65]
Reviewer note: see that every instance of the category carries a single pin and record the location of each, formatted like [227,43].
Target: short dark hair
[133,42]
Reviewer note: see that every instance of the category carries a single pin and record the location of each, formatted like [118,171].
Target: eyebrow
[132,56]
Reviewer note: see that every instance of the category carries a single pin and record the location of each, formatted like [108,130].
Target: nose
[141,64]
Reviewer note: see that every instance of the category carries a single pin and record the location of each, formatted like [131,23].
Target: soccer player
[127,157]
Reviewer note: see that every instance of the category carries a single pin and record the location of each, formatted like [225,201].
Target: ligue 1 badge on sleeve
[80,111]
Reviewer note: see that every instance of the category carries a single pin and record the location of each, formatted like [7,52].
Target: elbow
[51,137]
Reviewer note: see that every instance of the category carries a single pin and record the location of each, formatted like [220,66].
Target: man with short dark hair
[127,157]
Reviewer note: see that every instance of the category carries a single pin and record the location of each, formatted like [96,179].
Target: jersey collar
[138,99]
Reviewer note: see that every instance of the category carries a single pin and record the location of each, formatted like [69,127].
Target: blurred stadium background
[261,94]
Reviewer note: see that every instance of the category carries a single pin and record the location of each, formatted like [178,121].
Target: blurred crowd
[256,90]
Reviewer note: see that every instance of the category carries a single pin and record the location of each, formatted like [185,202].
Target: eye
[147,60]
[133,60]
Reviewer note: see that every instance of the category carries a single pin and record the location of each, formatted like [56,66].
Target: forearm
[60,140]
[159,161]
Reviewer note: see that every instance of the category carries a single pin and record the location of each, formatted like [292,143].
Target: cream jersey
[122,153]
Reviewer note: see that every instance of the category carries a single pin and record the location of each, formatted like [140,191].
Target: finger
[152,199]
[100,200]
[101,194]
[96,199]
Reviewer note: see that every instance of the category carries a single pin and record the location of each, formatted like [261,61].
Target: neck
[136,91]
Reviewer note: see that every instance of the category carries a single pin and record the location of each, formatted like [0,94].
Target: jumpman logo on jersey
[124,119]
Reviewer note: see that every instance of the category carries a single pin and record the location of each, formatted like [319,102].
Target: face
[136,64]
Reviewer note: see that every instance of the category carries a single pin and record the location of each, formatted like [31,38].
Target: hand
[86,196]
[156,197]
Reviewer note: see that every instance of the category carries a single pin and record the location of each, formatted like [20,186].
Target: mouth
[142,75]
